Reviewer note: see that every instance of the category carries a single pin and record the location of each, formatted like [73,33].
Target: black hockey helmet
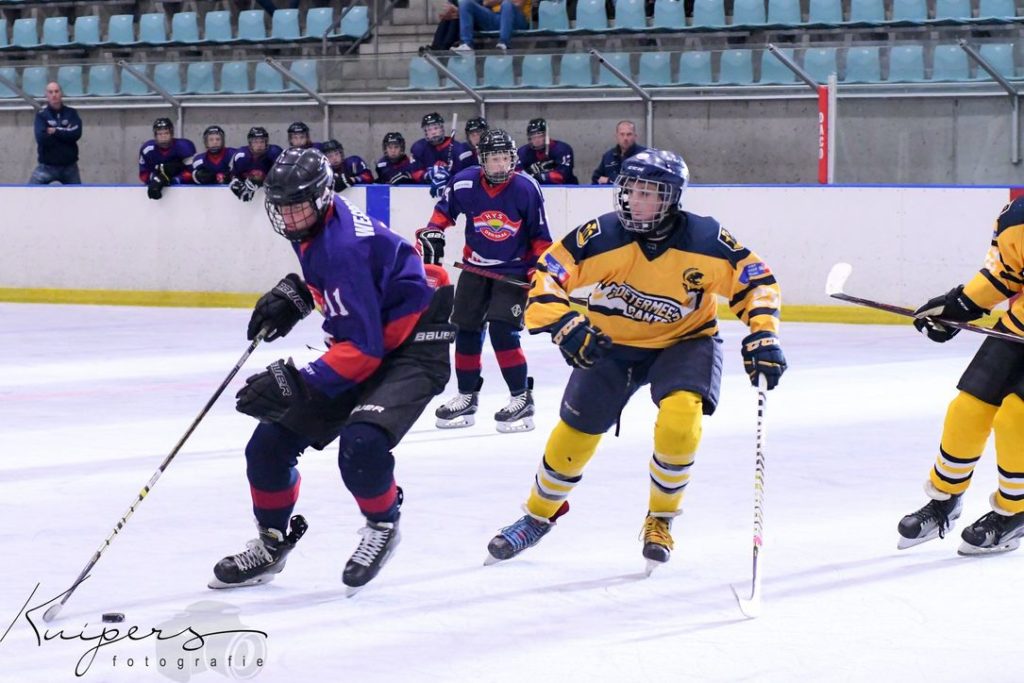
[302,180]
[163,123]
[435,122]
[660,175]
[496,141]
[476,125]
[392,138]
[332,145]
[214,130]
[298,128]
[257,133]
[536,126]
[431,119]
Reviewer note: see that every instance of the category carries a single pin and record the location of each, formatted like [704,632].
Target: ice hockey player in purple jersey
[550,162]
[165,160]
[388,336]
[395,167]
[213,167]
[437,157]
[298,136]
[250,165]
[475,129]
[348,171]
[506,230]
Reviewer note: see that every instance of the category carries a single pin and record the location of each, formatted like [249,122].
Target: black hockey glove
[244,189]
[205,176]
[155,187]
[280,309]
[400,179]
[166,171]
[953,305]
[762,355]
[580,343]
[538,168]
[278,394]
[341,182]
[431,245]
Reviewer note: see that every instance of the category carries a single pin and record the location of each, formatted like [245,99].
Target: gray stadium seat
[422,75]
[3,37]
[552,16]
[199,78]
[695,68]
[70,79]
[825,12]
[356,22]
[318,20]
[464,68]
[87,31]
[736,68]
[217,27]
[34,80]
[786,12]
[55,31]
[153,28]
[267,79]
[101,80]
[121,29]
[1000,56]
[498,72]
[284,24]
[306,71]
[251,25]
[909,10]
[168,76]
[996,9]
[669,14]
[26,33]
[185,28]
[867,11]
[862,65]
[629,14]
[773,71]
[748,12]
[819,62]
[655,69]
[11,75]
[537,71]
[131,85]
[906,63]
[708,13]
[952,9]
[619,60]
[949,64]
[234,77]
[591,15]
[575,71]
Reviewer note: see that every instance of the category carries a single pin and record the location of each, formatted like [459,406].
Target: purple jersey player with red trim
[253,162]
[165,160]
[395,167]
[437,149]
[550,162]
[213,167]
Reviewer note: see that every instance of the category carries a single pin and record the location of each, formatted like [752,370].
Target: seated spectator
[250,165]
[447,33]
[475,129]
[58,129]
[165,160]
[348,171]
[608,170]
[213,167]
[505,16]
[548,161]
[395,167]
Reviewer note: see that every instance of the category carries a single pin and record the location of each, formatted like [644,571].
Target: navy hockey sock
[367,468]
[509,352]
[468,348]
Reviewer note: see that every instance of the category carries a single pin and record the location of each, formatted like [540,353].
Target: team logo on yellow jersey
[587,232]
[728,240]
[496,226]
[612,298]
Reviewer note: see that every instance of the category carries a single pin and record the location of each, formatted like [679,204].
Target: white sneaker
[462,49]
[502,47]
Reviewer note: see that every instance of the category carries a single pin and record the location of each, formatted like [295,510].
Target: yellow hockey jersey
[652,295]
[1002,277]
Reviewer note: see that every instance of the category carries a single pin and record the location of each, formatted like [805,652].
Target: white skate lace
[373,542]
[460,402]
[253,556]
[517,403]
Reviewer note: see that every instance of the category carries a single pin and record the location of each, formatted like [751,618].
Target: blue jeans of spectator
[270,7]
[474,16]
[46,174]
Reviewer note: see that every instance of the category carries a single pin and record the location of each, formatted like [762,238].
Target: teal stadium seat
[949,63]
[996,9]
[3,37]
[620,60]
[708,13]
[655,69]
[1000,56]
[217,27]
[185,28]
[121,29]
[284,24]
[736,68]
[669,14]
[131,85]
[867,11]
[251,25]
[537,71]
[748,12]
[70,79]
[909,10]
[819,62]
[574,71]
[825,12]
[305,70]
[234,77]
[906,64]
[629,15]
[153,29]
[498,72]
[422,75]
[34,80]
[464,68]
[318,20]
[953,9]
[9,73]
[267,79]
[551,16]
[773,71]
[862,65]
[591,15]
[26,33]
[785,12]
[695,68]
[199,78]
[168,76]
[101,80]
[356,23]
[55,31]
[87,30]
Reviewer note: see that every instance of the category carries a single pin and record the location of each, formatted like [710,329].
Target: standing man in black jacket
[58,129]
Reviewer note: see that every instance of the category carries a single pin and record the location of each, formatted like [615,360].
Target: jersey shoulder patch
[1011,215]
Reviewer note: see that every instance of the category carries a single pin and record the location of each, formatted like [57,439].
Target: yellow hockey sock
[567,452]
[676,437]
[1009,429]
[968,423]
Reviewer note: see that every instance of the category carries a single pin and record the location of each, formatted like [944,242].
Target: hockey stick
[451,146]
[837,281]
[51,613]
[751,607]
[483,272]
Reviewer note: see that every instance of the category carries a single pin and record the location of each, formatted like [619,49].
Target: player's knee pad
[678,428]
[968,423]
[1008,424]
[365,458]
[503,336]
[568,450]
[271,452]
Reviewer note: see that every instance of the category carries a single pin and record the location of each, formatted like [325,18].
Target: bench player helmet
[498,144]
[333,150]
[433,128]
[393,138]
[296,129]
[477,124]
[256,134]
[537,127]
[299,192]
[649,191]
[163,125]
[214,130]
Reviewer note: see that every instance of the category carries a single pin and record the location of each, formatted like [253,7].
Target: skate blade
[904,543]
[352,591]
[651,566]
[491,559]
[217,584]
[456,422]
[523,425]
[968,550]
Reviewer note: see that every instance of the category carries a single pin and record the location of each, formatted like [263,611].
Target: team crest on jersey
[728,240]
[556,269]
[496,226]
[693,282]
[612,298]
[587,232]
[753,271]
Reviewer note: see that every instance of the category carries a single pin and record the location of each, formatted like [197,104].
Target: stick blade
[51,613]
[837,277]
[751,607]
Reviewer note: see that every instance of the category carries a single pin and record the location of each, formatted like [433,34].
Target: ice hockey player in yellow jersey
[646,276]
[991,398]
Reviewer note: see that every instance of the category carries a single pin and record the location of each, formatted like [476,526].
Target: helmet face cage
[298,213]
[393,139]
[493,144]
[213,130]
[649,190]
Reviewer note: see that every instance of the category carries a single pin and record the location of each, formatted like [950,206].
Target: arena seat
[537,71]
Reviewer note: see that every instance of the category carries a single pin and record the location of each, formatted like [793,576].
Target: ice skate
[517,416]
[996,532]
[378,545]
[459,411]
[657,538]
[931,521]
[524,533]
[261,561]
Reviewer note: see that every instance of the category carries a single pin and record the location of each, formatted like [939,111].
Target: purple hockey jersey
[212,169]
[151,156]
[395,172]
[551,167]
[245,165]
[424,155]
[506,229]
[356,170]
[370,285]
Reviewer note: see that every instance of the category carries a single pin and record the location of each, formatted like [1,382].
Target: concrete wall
[889,141]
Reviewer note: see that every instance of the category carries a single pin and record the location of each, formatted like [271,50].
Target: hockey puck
[113,617]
